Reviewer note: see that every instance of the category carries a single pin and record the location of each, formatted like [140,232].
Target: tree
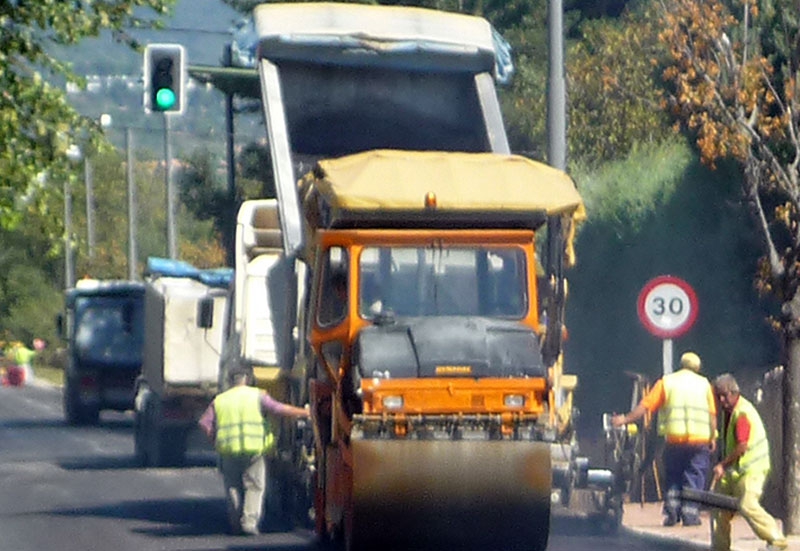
[37,124]
[733,71]
[615,96]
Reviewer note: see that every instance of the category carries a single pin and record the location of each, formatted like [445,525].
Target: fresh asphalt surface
[79,489]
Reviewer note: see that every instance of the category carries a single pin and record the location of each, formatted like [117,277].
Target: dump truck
[180,362]
[427,337]
[262,302]
[103,325]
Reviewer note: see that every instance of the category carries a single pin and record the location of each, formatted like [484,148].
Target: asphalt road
[78,489]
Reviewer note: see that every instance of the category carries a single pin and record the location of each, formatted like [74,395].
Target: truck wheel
[300,504]
[274,500]
[163,446]
[284,505]
[347,530]
[139,432]
[173,446]
[71,405]
[92,415]
[151,439]
[75,412]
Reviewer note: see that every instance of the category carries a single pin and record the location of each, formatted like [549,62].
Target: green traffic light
[165,99]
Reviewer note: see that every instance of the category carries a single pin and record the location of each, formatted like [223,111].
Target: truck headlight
[392,402]
[514,400]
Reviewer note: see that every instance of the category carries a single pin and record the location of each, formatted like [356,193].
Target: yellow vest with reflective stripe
[241,427]
[756,457]
[686,413]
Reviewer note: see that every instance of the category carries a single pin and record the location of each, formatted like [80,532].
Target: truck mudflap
[465,494]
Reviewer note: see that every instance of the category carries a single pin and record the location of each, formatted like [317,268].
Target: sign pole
[666,355]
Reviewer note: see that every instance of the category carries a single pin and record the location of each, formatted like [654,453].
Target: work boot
[670,520]
[691,521]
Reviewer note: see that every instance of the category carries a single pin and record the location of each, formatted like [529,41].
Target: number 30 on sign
[667,306]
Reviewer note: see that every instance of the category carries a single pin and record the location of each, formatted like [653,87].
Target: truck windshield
[436,281]
[109,329]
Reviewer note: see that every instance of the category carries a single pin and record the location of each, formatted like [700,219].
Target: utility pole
[88,181]
[230,233]
[69,270]
[556,90]
[556,157]
[131,205]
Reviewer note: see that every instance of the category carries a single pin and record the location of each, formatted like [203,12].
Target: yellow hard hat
[690,360]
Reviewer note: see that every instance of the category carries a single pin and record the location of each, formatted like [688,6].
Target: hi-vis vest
[241,428]
[23,356]
[685,415]
[756,457]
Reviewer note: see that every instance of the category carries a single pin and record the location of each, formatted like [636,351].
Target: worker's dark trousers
[685,465]
[244,477]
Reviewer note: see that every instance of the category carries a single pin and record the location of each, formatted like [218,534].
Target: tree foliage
[733,73]
[733,77]
[37,123]
[614,88]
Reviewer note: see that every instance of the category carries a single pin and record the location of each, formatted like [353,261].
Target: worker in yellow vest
[236,423]
[688,422]
[22,357]
[743,469]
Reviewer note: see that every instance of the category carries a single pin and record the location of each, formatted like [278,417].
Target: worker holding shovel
[743,469]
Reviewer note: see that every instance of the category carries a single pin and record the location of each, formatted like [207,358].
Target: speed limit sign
[667,306]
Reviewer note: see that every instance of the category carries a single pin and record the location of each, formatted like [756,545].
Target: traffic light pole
[164,92]
[172,231]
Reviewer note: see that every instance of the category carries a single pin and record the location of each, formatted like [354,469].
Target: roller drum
[453,494]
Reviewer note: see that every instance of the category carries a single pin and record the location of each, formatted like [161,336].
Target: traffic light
[164,78]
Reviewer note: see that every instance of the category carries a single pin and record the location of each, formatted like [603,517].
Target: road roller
[429,353]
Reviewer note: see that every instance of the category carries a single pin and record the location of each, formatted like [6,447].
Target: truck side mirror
[205,313]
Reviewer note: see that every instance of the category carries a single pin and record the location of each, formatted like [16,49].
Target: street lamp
[74,155]
[88,179]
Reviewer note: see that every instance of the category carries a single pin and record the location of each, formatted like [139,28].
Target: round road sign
[667,306]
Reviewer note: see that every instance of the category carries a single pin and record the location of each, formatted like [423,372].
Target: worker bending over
[236,423]
[743,469]
[688,421]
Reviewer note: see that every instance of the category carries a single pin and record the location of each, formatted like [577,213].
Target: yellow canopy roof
[399,180]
